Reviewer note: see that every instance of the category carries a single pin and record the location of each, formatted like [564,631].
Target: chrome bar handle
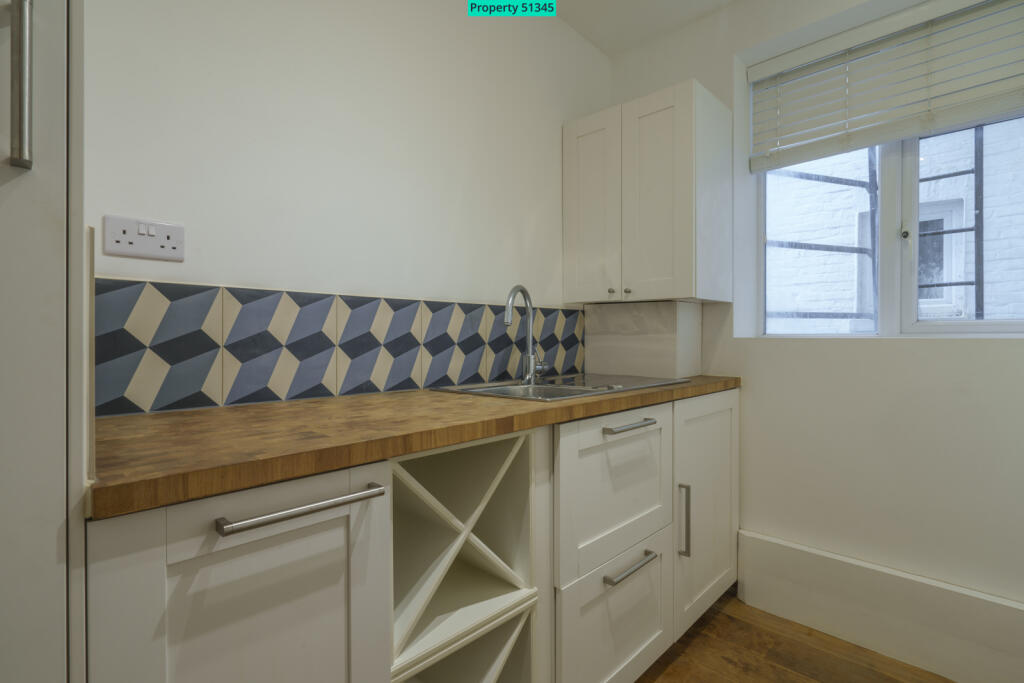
[21,83]
[685,552]
[227,528]
[649,556]
[646,422]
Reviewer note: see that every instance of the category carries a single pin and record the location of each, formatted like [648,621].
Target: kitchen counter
[148,461]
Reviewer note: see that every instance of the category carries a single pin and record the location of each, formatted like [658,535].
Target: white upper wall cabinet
[674,197]
[592,211]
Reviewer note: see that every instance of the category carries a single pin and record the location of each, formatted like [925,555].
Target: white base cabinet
[646,517]
[707,502]
[615,621]
[307,599]
[644,508]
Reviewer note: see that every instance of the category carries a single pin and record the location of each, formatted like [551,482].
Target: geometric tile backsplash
[164,346]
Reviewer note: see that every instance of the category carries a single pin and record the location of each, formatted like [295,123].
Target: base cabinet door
[616,621]
[305,599]
[707,502]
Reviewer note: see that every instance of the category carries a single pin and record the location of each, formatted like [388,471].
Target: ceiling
[615,26]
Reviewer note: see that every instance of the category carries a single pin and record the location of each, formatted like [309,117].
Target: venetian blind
[953,70]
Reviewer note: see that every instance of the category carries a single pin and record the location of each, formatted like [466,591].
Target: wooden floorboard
[737,643]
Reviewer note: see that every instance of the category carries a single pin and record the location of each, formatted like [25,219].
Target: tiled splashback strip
[163,346]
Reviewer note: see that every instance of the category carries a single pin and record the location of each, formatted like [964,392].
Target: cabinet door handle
[627,290]
[646,422]
[685,552]
[21,83]
[227,528]
[649,556]
[611,290]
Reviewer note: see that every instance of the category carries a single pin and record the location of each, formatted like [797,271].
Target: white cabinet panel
[712,196]
[656,189]
[674,194]
[127,598]
[614,486]
[612,633]
[592,213]
[267,611]
[37,284]
[707,502]
[190,531]
[307,599]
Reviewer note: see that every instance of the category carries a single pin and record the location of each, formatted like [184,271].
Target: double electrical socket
[138,238]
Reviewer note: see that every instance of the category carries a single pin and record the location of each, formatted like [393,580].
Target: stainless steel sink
[563,387]
[536,392]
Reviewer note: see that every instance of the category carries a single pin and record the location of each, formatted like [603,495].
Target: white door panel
[707,508]
[32,364]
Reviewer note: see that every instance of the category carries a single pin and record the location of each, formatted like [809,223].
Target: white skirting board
[953,631]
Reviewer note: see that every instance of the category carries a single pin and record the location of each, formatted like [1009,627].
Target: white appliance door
[33,206]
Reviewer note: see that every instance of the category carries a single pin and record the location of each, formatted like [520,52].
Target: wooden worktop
[147,461]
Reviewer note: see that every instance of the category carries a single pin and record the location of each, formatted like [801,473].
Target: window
[962,264]
[942,258]
[890,176]
[820,246]
[970,254]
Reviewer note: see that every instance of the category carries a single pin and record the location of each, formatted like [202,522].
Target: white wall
[387,148]
[705,48]
[904,453]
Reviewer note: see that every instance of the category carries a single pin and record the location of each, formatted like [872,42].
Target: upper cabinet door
[677,196]
[657,188]
[592,207]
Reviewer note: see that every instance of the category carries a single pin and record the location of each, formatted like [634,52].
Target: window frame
[897,270]
[909,323]
[886,267]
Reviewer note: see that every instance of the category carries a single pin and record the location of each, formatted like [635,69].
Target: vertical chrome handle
[685,552]
[21,83]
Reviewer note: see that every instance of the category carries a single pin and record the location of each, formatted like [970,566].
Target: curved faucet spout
[518,289]
[531,366]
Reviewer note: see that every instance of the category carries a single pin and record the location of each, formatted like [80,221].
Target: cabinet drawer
[614,486]
[190,530]
[612,633]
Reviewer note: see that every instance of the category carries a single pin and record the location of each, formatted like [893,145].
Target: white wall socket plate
[140,238]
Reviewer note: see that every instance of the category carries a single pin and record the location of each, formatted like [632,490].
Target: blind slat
[903,83]
[959,78]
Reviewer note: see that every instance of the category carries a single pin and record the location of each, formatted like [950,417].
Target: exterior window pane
[970,202]
[821,227]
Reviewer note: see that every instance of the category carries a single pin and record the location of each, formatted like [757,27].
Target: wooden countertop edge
[136,495]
